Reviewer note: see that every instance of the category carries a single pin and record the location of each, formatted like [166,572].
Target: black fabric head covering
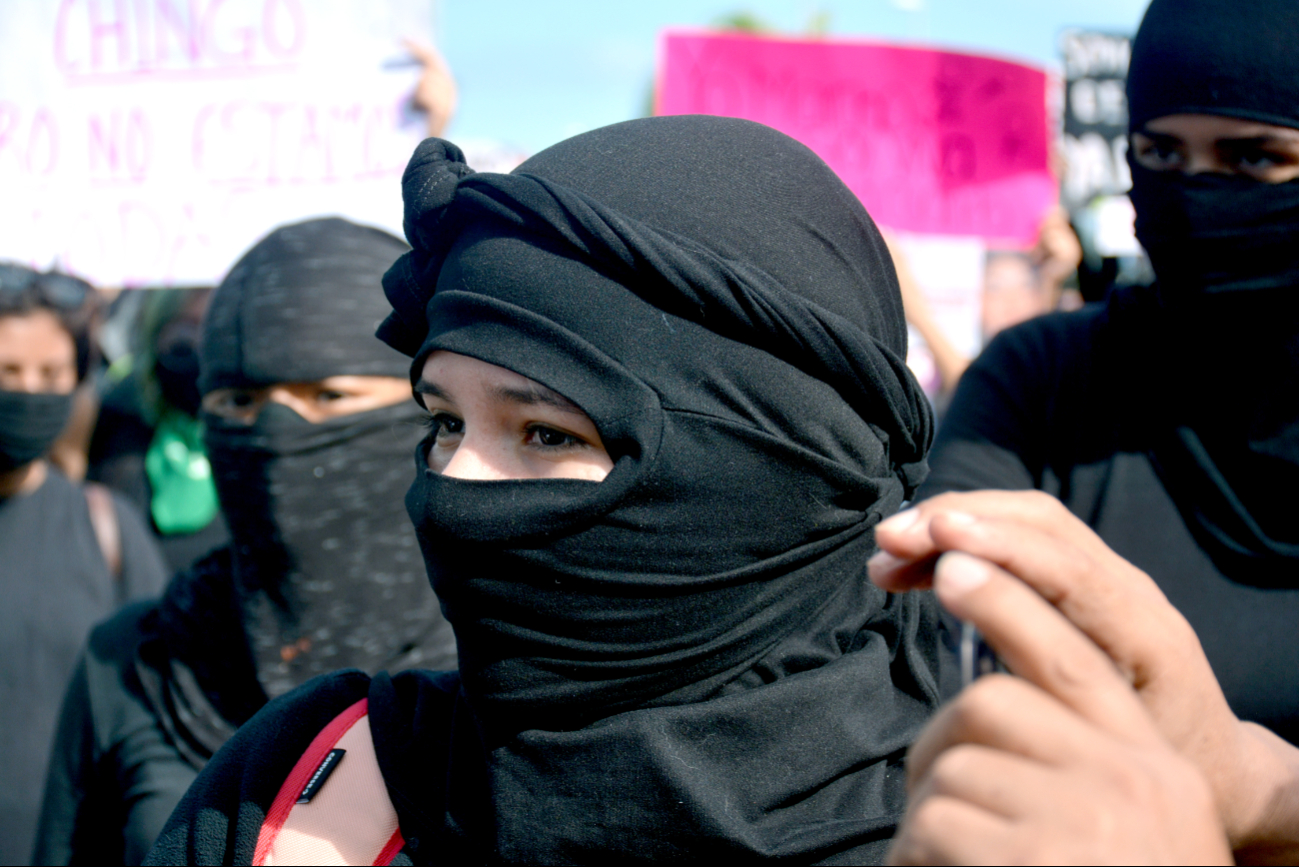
[329,574]
[1216,57]
[725,311]
[1220,332]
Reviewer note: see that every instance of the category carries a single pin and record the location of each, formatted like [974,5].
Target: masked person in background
[664,366]
[309,431]
[1168,418]
[69,555]
[148,442]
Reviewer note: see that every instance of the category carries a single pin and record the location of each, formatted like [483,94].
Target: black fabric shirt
[159,688]
[114,776]
[1052,405]
[55,584]
[632,783]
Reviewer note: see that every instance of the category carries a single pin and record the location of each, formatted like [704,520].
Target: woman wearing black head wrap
[1168,418]
[664,361]
[309,431]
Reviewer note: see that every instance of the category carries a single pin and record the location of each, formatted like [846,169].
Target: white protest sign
[153,141]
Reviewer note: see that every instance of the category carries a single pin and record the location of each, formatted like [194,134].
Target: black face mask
[1226,251]
[29,425]
[176,367]
[326,561]
[1214,233]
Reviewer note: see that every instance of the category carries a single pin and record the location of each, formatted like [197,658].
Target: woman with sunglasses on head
[67,559]
[663,366]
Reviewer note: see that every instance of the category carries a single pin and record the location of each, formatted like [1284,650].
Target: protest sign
[153,141]
[1097,176]
[1095,115]
[932,142]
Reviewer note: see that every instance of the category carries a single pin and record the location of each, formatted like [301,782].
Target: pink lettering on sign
[247,143]
[931,141]
[29,144]
[121,147]
[100,41]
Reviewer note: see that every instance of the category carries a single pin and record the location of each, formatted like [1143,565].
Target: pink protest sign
[931,141]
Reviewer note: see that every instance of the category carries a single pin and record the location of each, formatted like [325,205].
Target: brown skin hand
[1055,600]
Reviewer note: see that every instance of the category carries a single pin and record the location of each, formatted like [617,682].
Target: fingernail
[883,561]
[902,521]
[958,574]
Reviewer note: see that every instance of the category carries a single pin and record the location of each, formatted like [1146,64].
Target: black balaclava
[725,311]
[327,567]
[29,425]
[1226,252]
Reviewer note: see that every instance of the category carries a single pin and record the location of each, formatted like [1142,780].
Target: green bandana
[184,498]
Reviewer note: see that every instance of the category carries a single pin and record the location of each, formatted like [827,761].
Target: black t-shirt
[55,584]
[1055,404]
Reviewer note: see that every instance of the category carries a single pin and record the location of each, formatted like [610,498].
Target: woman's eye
[551,438]
[1258,160]
[1161,155]
[328,396]
[240,399]
[445,426]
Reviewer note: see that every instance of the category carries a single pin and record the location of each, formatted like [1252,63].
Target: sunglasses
[60,291]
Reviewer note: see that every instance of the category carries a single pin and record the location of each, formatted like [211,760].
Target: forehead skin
[36,339]
[1210,127]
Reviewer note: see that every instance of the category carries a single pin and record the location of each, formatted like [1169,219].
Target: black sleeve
[113,776]
[996,431]
[68,783]
[220,817]
[143,572]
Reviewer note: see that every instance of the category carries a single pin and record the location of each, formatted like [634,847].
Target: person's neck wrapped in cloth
[686,657]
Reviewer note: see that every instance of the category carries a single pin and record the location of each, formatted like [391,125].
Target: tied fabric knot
[428,186]
[734,298]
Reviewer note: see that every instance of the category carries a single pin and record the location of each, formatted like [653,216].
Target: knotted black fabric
[1226,252]
[29,425]
[725,311]
[328,573]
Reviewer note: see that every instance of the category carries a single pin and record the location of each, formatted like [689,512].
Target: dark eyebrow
[1258,141]
[426,387]
[1162,138]
[537,394]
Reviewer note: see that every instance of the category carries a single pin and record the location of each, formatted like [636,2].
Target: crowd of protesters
[708,578]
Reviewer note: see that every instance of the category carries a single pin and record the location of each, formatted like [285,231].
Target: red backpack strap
[334,807]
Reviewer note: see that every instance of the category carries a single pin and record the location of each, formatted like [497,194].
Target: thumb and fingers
[905,538]
[1112,602]
[1042,647]
[1079,603]
[1062,761]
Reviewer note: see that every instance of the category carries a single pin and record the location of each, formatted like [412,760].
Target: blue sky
[532,73]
